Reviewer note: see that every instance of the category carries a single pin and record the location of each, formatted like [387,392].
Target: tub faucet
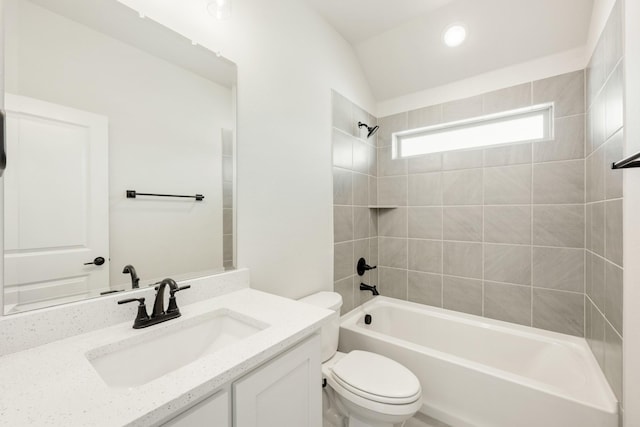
[373,289]
[135,280]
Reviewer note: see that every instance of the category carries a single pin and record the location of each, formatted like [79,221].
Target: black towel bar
[629,162]
[132,194]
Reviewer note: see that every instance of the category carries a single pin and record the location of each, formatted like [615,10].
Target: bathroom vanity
[243,358]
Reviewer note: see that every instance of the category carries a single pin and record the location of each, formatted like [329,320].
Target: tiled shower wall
[605,88]
[527,233]
[354,190]
[495,232]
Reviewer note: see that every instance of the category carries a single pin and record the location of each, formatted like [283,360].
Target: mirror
[120,147]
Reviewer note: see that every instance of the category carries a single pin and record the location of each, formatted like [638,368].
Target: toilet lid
[377,378]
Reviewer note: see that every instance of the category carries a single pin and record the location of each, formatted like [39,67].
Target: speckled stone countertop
[56,385]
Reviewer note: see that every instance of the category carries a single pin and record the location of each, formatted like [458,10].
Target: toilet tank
[330,331]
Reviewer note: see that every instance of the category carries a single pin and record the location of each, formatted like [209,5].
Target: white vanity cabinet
[284,392]
[214,411]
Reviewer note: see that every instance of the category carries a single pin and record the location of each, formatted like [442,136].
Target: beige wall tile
[462,295]
[613,232]
[507,224]
[392,252]
[462,109]
[507,185]
[389,125]
[425,288]
[462,187]
[462,223]
[425,222]
[565,90]
[507,99]
[392,222]
[342,187]
[393,283]
[558,311]
[512,154]
[425,255]
[345,288]
[613,296]
[425,189]
[507,302]
[558,225]
[342,223]
[427,116]
[392,190]
[343,264]
[507,263]
[558,182]
[568,143]
[559,268]
[462,259]
[613,360]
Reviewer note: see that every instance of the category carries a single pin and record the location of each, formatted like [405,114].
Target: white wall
[164,125]
[288,60]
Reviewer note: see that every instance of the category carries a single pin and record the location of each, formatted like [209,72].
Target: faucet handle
[363,266]
[172,292]
[128,300]
[173,305]
[142,317]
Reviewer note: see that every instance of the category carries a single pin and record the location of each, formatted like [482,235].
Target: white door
[56,204]
[285,392]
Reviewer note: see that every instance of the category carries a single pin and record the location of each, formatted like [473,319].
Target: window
[523,125]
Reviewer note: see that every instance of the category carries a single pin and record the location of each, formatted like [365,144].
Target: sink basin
[155,352]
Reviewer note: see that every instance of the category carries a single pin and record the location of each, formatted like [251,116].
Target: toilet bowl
[366,389]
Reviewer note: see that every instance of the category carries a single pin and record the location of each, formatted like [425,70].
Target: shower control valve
[363,266]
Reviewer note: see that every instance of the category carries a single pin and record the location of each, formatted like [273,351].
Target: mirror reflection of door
[167,102]
[56,204]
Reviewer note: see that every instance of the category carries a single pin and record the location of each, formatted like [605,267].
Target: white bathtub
[482,372]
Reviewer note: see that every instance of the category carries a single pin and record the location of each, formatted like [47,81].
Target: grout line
[604,318]
[605,259]
[530,163]
[442,248]
[483,238]
[531,231]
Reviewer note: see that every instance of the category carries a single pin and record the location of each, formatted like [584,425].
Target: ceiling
[398,42]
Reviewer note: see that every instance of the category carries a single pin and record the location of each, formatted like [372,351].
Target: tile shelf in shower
[382,206]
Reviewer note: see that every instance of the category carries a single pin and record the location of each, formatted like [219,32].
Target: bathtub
[482,372]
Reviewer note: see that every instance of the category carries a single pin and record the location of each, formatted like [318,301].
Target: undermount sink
[155,352]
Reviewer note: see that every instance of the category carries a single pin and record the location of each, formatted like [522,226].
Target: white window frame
[413,135]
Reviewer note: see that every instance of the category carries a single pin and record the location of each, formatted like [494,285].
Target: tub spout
[365,287]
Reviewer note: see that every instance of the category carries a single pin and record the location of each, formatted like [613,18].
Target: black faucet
[135,280]
[158,315]
[373,289]
[158,304]
[362,266]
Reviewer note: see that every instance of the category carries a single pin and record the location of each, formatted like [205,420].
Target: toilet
[367,389]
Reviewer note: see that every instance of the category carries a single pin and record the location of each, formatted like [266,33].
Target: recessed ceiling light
[454,35]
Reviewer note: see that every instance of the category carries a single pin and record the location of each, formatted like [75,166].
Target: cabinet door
[286,392]
[211,412]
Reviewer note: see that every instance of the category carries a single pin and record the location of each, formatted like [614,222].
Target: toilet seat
[376,378]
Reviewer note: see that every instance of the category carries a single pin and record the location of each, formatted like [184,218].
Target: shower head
[371,129]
